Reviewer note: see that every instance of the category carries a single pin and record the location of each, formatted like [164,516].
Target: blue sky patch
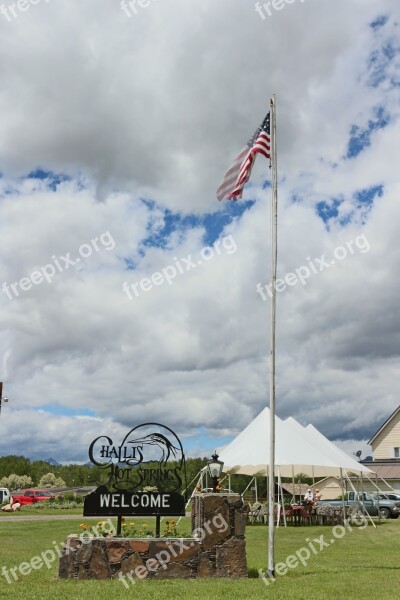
[129,264]
[328,210]
[65,411]
[296,199]
[380,63]
[346,219]
[213,223]
[362,203]
[53,179]
[360,137]
[367,196]
[10,191]
[203,440]
[379,22]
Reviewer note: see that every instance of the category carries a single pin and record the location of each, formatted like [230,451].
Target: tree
[50,480]
[18,465]
[16,482]
[59,483]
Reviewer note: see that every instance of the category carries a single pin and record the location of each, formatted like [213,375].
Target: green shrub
[69,496]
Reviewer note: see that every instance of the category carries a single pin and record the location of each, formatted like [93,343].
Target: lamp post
[2,398]
[215,467]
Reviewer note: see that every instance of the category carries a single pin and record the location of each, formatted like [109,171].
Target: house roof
[386,470]
[384,424]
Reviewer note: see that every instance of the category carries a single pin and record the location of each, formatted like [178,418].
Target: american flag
[239,172]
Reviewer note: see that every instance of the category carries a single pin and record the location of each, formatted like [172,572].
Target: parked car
[32,496]
[389,496]
[389,508]
[4,495]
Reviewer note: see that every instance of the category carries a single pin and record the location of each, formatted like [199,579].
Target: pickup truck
[388,509]
[32,496]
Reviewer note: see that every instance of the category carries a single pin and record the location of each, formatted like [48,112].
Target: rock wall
[217,548]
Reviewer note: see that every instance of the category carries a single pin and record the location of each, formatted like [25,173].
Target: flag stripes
[239,172]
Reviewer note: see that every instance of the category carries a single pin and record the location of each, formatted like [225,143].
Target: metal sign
[142,475]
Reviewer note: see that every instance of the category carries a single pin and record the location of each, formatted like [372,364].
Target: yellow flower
[173,523]
[132,524]
[144,525]
[123,524]
[100,523]
[83,526]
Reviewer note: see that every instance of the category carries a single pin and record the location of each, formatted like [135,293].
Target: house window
[397,452]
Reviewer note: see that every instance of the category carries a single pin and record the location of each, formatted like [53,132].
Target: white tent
[344,460]
[294,451]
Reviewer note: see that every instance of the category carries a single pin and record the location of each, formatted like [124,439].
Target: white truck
[4,495]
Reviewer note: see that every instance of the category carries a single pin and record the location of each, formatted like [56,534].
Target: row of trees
[19,482]
[18,472]
[73,475]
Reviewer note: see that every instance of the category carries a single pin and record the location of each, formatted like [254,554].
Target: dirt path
[40,517]
[47,517]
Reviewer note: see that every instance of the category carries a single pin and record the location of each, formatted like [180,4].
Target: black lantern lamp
[215,467]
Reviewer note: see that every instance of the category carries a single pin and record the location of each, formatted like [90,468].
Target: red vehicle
[32,496]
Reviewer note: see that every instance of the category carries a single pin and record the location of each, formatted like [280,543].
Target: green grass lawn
[364,563]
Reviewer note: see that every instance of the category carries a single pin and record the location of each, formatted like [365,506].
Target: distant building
[386,441]
[385,464]
[386,451]
[330,488]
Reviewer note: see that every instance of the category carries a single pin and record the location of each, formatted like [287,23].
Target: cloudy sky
[128,292]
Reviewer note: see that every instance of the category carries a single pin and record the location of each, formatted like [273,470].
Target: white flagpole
[274,253]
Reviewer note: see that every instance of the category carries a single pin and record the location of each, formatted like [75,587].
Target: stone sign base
[217,548]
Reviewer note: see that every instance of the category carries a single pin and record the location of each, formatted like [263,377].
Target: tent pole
[377,496]
[294,489]
[192,494]
[391,488]
[362,486]
[247,487]
[282,499]
[343,498]
[362,504]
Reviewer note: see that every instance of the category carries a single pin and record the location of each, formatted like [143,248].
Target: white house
[386,441]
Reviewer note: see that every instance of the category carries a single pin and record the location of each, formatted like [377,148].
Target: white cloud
[155,106]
